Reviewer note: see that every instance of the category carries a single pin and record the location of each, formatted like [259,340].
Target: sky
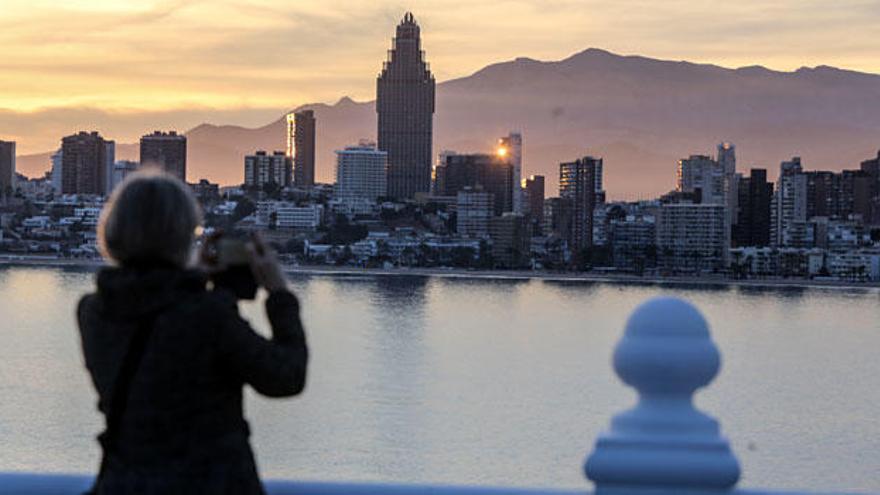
[125,67]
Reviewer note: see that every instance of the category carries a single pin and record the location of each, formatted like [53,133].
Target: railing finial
[666,354]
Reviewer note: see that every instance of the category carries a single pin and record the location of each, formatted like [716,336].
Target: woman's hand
[264,264]
[209,256]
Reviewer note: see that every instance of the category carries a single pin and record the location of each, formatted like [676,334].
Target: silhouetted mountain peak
[757,70]
[594,53]
[345,101]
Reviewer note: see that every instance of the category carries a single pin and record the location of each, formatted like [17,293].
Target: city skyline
[611,133]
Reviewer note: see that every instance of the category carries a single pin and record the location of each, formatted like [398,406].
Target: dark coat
[183,429]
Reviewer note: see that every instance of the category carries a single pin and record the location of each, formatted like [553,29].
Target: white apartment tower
[361,172]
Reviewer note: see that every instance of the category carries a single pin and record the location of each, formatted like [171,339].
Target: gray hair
[152,216]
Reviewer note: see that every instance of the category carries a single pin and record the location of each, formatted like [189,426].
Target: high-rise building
[7,167]
[493,173]
[405,107]
[438,185]
[856,190]
[702,173]
[361,172]
[57,170]
[727,161]
[711,179]
[533,200]
[534,195]
[262,169]
[473,210]
[821,197]
[166,150]
[87,163]
[692,237]
[301,146]
[872,169]
[577,182]
[599,181]
[789,201]
[510,147]
[753,220]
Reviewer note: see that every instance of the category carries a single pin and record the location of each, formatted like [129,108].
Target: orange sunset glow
[126,66]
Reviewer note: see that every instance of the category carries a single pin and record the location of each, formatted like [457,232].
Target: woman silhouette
[169,356]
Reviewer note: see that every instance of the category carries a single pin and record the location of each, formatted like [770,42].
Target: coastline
[585,277]
[622,279]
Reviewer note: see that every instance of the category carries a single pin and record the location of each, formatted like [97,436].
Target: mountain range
[640,114]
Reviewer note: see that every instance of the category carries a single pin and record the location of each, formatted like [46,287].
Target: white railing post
[664,442]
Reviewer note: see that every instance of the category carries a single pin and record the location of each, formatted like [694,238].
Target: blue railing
[661,446]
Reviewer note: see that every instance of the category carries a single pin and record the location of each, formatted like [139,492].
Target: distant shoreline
[606,278]
[622,279]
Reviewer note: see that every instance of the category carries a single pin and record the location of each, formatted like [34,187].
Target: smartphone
[237,276]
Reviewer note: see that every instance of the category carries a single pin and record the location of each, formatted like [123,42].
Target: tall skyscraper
[405,107]
[510,147]
[789,201]
[7,167]
[262,169]
[166,150]
[577,182]
[87,163]
[301,146]
[727,161]
[361,172]
[493,173]
[753,219]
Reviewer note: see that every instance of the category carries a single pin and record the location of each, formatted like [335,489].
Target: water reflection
[781,291]
[398,362]
[483,381]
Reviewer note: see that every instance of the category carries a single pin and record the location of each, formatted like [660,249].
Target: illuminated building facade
[510,147]
[301,146]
